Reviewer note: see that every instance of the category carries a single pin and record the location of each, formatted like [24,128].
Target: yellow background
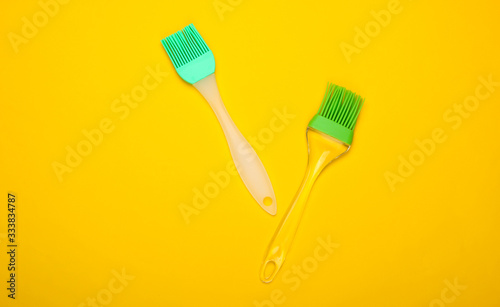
[119,209]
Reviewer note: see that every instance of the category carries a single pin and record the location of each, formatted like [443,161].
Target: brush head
[189,53]
[338,113]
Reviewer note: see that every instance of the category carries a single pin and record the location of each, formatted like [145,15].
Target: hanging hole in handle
[269,271]
[268,201]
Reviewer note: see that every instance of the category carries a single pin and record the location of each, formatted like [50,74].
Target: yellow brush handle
[322,151]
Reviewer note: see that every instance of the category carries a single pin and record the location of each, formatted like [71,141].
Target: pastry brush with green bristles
[195,63]
[329,136]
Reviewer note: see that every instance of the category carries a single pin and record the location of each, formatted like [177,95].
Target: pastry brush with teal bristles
[329,136]
[195,63]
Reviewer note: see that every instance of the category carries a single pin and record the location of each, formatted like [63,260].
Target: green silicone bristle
[338,113]
[190,55]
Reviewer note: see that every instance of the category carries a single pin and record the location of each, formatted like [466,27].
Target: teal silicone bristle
[189,54]
[338,113]
[184,46]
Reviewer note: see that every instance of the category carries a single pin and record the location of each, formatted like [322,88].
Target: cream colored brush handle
[248,164]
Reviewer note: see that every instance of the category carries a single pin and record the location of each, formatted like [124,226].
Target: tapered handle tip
[268,203]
